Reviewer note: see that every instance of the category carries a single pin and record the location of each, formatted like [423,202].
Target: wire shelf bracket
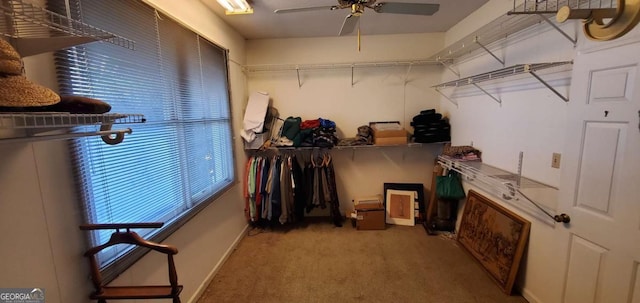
[477,41]
[34,46]
[542,9]
[573,40]
[447,64]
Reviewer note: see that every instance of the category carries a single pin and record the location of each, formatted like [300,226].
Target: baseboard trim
[203,286]
[529,296]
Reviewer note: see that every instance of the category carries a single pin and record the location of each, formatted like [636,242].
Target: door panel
[596,171]
[612,84]
[635,284]
[585,258]
[600,183]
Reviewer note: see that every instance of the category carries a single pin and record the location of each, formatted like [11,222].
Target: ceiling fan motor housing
[348,3]
[357,9]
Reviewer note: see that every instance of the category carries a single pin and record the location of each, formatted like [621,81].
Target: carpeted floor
[322,263]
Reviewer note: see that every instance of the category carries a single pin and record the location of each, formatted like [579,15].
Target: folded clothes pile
[363,137]
[462,152]
[429,127]
[318,132]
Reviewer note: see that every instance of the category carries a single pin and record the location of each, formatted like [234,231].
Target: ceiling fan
[358,8]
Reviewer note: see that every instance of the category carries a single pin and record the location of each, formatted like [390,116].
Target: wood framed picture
[400,207]
[418,189]
[494,236]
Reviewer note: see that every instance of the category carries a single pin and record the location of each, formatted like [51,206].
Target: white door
[600,185]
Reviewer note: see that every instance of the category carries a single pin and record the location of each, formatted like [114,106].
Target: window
[182,158]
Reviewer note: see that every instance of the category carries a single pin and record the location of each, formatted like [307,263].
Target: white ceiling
[265,24]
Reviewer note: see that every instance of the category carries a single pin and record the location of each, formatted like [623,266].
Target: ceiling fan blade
[426,9]
[349,24]
[305,9]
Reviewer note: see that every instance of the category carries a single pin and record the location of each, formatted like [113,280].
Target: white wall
[531,119]
[39,213]
[379,94]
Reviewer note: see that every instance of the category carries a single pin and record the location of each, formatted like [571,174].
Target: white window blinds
[183,155]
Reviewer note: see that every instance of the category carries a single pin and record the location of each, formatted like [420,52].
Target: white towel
[256,111]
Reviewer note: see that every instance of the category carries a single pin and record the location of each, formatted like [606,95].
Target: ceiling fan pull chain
[358,38]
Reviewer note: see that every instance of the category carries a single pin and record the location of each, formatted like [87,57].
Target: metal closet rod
[105,134]
[352,66]
[290,67]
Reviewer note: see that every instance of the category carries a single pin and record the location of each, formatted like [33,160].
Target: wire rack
[552,6]
[496,30]
[38,126]
[503,73]
[19,19]
[521,17]
[63,120]
[512,188]
[290,67]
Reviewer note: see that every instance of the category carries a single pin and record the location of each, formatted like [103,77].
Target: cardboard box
[363,203]
[370,219]
[369,213]
[387,133]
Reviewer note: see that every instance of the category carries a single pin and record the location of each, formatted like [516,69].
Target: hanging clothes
[319,176]
[285,184]
[245,188]
[333,191]
[299,190]
[277,190]
[266,171]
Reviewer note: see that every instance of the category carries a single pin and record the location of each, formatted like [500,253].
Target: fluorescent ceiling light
[235,7]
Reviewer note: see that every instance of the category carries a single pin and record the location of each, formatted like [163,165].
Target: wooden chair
[102,292]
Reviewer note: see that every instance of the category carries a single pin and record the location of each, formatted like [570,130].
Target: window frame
[120,264]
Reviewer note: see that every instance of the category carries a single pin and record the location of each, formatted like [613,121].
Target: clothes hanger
[326,159]
[313,162]
[127,237]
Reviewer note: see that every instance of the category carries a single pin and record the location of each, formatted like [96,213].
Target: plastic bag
[449,187]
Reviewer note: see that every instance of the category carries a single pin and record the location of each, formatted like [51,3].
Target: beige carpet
[322,263]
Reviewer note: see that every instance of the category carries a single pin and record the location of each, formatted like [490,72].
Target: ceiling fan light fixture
[236,7]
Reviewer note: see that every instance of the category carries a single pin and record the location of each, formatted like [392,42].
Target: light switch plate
[555,160]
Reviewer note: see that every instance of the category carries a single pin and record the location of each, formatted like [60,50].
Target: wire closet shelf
[512,188]
[503,73]
[524,14]
[552,6]
[26,25]
[41,120]
[35,123]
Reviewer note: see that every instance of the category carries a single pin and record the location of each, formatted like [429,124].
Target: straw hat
[15,89]
[10,63]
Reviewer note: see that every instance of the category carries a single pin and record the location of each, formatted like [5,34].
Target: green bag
[449,187]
